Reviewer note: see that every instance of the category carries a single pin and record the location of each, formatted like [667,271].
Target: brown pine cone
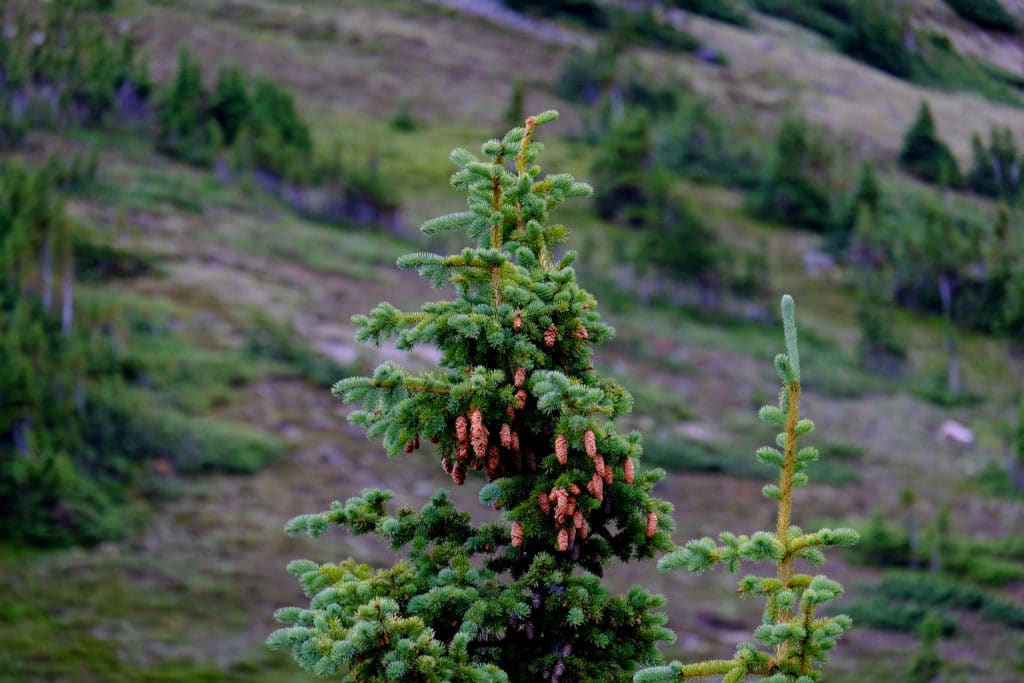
[628,470]
[652,524]
[550,336]
[561,449]
[517,534]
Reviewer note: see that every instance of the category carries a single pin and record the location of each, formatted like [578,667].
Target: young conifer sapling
[516,399]
[792,641]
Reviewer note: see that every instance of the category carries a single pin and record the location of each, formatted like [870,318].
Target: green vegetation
[900,601]
[988,14]
[64,68]
[793,644]
[78,423]
[925,155]
[625,26]
[995,171]
[878,33]
[794,191]
[729,11]
[502,402]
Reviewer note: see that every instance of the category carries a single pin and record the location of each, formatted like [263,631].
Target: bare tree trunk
[67,295]
[48,271]
[953,383]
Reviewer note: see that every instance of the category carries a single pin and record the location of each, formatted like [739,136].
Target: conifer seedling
[516,399]
[792,642]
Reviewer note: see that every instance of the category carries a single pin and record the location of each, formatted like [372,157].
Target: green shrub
[883,613]
[623,170]
[830,18]
[996,170]
[874,36]
[729,11]
[699,144]
[230,105]
[988,14]
[186,129]
[267,338]
[626,25]
[925,155]
[403,120]
[794,191]
[275,138]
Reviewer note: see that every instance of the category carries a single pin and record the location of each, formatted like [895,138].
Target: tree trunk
[48,271]
[953,383]
[67,295]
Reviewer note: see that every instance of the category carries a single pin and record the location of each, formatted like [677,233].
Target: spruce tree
[925,155]
[795,190]
[996,171]
[230,104]
[517,398]
[792,642]
[185,127]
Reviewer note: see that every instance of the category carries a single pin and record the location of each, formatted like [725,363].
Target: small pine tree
[185,128]
[403,121]
[881,349]
[996,171]
[926,665]
[795,190]
[517,398]
[925,155]
[275,137]
[230,105]
[625,174]
[868,194]
[793,642]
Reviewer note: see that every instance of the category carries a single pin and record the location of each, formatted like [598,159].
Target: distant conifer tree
[185,128]
[925,155]
[516,398]
[230,103]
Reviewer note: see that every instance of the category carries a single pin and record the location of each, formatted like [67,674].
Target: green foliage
[988,14]
[684,455]
[628,183]
[66,67]
[875,37]
[681,245]
[988,563]
[403,120]
[76,426]
[269,339]
[996,168]
[905,617]
[878,33]
[625,25]
[792,643]
[699,144]
[794,191]
[517,397]
[901,599]
[925,155]
[827,17]
[230,104]
[186,128]
[927,665]
[274,137]
[881,348]
[729,11]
